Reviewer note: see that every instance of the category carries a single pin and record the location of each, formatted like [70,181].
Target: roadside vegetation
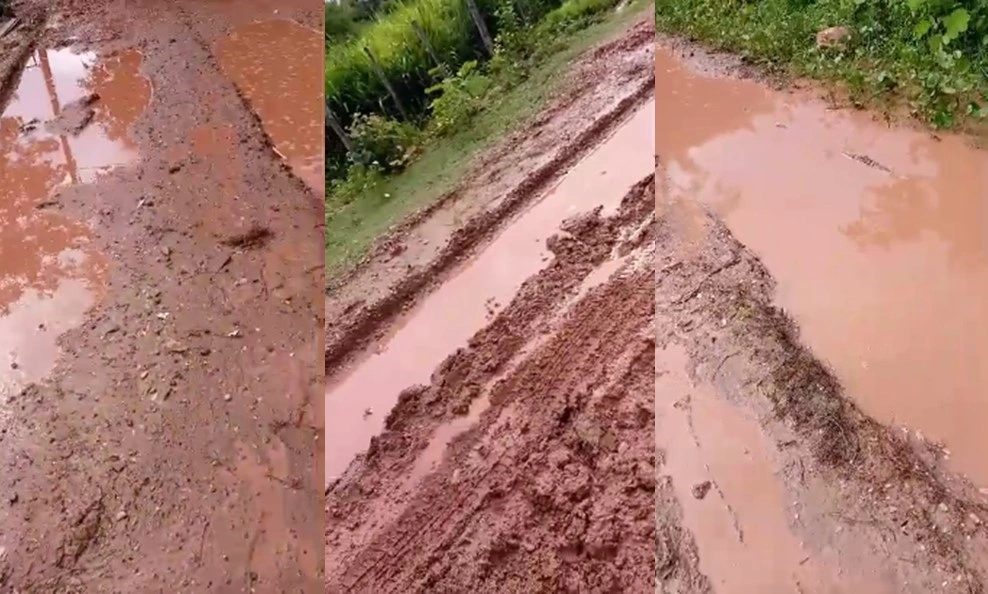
[454,97]
[930,54]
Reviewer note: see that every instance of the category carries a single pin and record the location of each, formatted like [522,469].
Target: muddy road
[489,413]
[820,297]
[160,298]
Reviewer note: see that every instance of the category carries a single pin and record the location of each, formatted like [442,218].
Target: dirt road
[160,298]
[794,440]
[489,411]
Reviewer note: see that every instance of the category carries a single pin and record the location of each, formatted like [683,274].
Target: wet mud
[604,87]
[444,473]
[875,234]
[771,443]
[474,485]
[358,401]
[160,310]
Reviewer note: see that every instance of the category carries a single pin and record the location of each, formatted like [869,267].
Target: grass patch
[371,202]
[931,55]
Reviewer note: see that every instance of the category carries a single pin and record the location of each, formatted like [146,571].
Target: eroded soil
[496,433]
[605,85]
[160,305]
[789,476]
[527,463]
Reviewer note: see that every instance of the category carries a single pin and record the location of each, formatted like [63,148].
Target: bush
[382,143]
[458,99]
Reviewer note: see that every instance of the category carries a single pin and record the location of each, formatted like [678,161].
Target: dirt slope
[171,446]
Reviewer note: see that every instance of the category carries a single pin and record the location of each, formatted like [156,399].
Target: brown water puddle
[447,319]
[277,65]
[733,504]
[49,273]
[878,238]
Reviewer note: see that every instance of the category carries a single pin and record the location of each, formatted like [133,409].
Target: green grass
[351,228]
[929,55]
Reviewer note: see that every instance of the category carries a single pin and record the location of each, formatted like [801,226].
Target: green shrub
[575,14]
[458,99]
[382,143]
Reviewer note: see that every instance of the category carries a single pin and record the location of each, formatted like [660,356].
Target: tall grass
[353,87]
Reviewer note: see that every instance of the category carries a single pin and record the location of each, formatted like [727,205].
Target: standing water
[877,237]
[49,273]
[271,62]
[447,319]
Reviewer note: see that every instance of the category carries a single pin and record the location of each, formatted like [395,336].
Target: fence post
[338,129]
[429,49]
[478,20]
[387,84]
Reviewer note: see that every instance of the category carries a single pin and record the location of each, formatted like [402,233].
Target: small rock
[175,346]
[700,490]
[13,498]
[833,38]
[121,515]
[227,397]
[368,412]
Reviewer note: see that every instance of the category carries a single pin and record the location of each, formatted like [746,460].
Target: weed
[457,99]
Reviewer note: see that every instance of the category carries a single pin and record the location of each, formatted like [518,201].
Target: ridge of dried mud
[416,255]
[542,494]
[129,469]
[875,494]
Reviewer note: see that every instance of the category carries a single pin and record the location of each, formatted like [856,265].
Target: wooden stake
[429,49]
[387,84]
[335,125]
[478,20]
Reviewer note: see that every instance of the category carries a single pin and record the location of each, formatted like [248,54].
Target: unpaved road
[489,410]
[794,440]
[160,298]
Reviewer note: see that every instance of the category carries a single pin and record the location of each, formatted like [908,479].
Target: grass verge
[353,226]
[929,55]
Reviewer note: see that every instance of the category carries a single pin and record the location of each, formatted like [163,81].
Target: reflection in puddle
[878,239]
[458,309]
[277,65]
[49,274]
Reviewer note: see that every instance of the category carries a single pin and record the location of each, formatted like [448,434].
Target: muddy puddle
[272,63]
[49,272]
[358,402]
[877,236]
[722,469]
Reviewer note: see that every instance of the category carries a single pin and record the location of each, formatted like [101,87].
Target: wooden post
[338,129]
[478,19]
[429,49]
[387,84]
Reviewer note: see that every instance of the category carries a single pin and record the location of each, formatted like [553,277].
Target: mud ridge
[546,493]
[362,327]
[881,486]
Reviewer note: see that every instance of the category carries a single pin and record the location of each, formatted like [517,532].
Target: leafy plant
[381,143]
[457,99]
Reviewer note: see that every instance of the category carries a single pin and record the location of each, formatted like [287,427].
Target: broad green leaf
[955,23]
[922,28]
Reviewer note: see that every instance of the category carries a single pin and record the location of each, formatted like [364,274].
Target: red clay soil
[858,505]
[174,447]
[605,85]
[552,487]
